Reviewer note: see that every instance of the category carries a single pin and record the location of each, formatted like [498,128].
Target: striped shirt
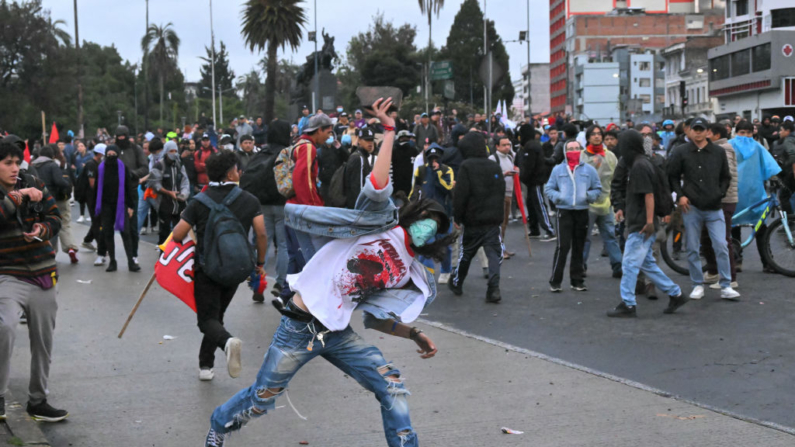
[19,258]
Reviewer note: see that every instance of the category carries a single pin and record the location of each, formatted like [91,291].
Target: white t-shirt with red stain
[345,271]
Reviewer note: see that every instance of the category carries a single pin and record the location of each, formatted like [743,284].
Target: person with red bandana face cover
[572,187]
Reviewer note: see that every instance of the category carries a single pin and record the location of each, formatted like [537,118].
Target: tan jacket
[731,193]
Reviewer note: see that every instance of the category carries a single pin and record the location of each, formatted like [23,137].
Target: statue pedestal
[328,91]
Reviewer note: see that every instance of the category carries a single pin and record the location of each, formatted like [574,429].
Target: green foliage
[464,49]
[224,75]
[385,55]
[162,44]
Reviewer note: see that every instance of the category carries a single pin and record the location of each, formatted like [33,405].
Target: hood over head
[279,133]
[473,145]
[457,131]
[630,145]
[527,133]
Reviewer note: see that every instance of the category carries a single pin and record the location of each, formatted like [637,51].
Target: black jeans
[475,237]
[134,235]
[212,299]
[537,214]
[107,223]
[167,222]
[572,226]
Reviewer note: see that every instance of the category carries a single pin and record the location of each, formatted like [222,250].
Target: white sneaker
[716,286]
[135,260]
[100,260]
[81,219]
[444,278]
[88,219]
[143,230]
[232,351]
[727,293]
[710,278]
[697,293]
[206,375]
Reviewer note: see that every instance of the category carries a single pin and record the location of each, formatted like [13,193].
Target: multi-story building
[753,73]
[578,26]
[596,91]
[537,81]
[518,104]
[687,78]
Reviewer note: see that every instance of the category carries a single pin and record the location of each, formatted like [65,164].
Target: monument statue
[325,57]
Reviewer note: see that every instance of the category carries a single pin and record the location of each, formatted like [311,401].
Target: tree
[224,76]
[464,49]
[429,8]
[162,43]
[384,55]
[272,24]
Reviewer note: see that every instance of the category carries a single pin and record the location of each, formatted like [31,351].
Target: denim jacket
[374,213]
[573,190]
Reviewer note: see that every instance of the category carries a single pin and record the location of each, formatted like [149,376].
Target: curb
[19,428]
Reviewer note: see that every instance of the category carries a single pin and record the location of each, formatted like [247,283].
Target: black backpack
[336,191]
[227,257]
[663,201]
[259,180]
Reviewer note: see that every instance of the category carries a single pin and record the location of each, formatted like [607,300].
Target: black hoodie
[479,194]
[452,155]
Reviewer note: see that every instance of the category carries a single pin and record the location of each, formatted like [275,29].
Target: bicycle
[778,244]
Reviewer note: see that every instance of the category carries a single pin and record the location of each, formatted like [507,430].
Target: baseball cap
[171,135]
[366,133]
[436,112]
[205,136]
[358,111]
[699,122]
[405,133]
[424,115]
[317,121]
[225,139]
[434,151]
[242,117]
[100,149]
[345,114]
[788,118]
[304,107]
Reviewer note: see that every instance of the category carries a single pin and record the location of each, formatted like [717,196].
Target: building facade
[578,26]
[753,73]
[596,91]
[687,79]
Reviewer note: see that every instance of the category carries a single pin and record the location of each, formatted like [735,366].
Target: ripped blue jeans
[344,349]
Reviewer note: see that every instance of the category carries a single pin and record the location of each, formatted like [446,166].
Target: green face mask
[422,230]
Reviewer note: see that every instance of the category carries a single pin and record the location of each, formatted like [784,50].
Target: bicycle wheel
[673,251]
[778,251]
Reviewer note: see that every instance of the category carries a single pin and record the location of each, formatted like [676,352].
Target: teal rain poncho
[754,166]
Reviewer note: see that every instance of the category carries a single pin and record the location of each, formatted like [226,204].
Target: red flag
[174,269]
[517,188]
[54,134]
[26,155]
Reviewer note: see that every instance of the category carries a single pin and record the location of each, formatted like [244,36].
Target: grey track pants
[40,306]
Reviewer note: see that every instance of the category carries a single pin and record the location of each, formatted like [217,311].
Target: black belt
[291,310]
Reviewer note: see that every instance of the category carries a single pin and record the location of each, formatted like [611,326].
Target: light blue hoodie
[573,190]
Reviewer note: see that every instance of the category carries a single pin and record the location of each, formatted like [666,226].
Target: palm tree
[162,44]
[272,23]
[430,7]
[249,84]
[60,36]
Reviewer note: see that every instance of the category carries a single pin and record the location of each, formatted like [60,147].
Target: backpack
[227,258]
[336,191]
[663,200]
[284,166]
[259,179]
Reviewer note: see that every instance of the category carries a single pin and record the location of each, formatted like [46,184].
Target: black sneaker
[618,273]
[277,289]
[258,298]
[493,296]
[555,288]
[622,311]
[112,267]
[675,302]
[45,413]
[579,287]
[457,290]
[134,267]
[2,408]
[533,235]
[214,439]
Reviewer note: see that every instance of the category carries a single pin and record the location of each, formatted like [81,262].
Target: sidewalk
[142,390]
[19,428]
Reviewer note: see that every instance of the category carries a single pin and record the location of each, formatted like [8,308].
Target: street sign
[441,70]
[497,71]
[449,90]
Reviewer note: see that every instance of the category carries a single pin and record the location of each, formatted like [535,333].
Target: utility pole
[135,90]
[221,100]
[81,133]
[316,96]
[212,63]
[529,99]
[146,76]
[486,89]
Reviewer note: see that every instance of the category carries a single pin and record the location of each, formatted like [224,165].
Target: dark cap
[436,112]
[434,151]
[344,114]
[365,133]
[205,136]
[699,122]
[304,107]
[122,130]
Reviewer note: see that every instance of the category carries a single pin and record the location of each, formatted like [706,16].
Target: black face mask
[111,158]
[124,144]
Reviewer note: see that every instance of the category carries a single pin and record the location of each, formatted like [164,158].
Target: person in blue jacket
[572,186]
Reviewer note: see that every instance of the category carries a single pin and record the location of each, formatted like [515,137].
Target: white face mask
[229,146]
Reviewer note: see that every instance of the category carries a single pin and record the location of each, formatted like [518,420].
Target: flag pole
[517,188]
[43,129]
[135,308]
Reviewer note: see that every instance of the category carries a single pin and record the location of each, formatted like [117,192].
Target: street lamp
[118,112]
[221,103]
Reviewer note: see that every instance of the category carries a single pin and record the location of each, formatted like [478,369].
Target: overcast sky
[124,23]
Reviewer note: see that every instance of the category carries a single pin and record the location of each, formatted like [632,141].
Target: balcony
[702,107]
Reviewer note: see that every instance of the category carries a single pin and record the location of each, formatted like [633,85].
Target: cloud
[123,25]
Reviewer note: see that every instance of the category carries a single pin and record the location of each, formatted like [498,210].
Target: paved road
[735,356]
[142,390]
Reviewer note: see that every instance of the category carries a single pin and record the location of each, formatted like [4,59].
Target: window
[659,82]
[644,66]
[741,62]
[740,7]
[789,92]
[761,57]
[645,99]
[645,82]
[660,99]
[783,17]
[719,68]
